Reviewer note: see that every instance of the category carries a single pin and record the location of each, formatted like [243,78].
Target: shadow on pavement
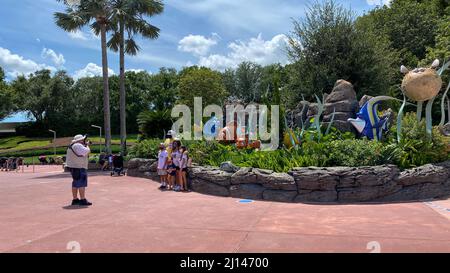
[74,207]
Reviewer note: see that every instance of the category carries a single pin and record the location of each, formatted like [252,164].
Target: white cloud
[78,35]
[137,70]
[57,59]
[378,2]
[16,65]
[248,15]
[255,50]
[91,70]
[197,44]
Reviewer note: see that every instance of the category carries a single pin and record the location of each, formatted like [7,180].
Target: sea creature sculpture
[368,123]
[211,128]
[421,84]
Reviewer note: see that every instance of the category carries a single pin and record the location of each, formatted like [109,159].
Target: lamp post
[54,141]
[100,129]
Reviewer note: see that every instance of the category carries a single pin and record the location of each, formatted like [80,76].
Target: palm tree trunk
[123,117]
[106,108]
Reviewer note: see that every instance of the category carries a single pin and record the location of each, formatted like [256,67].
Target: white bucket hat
[78,138]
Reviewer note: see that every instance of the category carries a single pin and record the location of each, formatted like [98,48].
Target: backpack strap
[71,148]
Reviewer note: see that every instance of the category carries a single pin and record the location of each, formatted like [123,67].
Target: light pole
[54,141]
[100,129]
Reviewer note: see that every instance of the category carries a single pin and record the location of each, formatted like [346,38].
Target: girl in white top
[176,158]
[183,167]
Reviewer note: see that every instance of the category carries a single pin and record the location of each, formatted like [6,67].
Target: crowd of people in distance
[11,163]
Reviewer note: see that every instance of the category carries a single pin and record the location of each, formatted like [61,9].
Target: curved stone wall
[336,184]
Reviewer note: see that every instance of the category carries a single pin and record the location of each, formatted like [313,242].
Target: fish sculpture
[368,123]
[211,128]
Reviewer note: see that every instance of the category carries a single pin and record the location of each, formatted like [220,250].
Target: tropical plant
[97,14]
[415,147]
[128,18]
[154,123]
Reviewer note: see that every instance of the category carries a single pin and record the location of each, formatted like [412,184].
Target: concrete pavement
[132,215]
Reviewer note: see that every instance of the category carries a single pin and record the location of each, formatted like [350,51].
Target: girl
[172,172]
[184,165]
[176,158]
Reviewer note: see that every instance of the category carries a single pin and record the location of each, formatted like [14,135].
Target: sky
[214,33]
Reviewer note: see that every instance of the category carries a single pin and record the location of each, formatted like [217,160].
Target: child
[163,157]
[176,158]
[172,171]
[184,164]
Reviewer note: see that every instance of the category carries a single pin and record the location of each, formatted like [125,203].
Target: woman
[176,159]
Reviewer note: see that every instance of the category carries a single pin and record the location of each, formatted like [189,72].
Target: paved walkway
[132,215]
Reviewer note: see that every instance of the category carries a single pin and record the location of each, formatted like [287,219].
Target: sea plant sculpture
[421,85]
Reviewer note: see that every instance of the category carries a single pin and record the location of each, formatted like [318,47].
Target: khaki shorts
[162,172]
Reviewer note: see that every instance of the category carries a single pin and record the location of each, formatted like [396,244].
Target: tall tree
[327,45]
[201,82]
[128,18]
[97,14]
[6,106]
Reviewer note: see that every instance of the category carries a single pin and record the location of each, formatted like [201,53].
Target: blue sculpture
[368,123]
[212,128]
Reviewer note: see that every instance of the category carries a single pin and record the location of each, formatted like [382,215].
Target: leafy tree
[248,82]
[99,12]
[327,46]
[201,82]
[6,106]
[49,100]
[410,26]
[128,18]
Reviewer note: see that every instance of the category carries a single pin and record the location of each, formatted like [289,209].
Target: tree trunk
[123,105]
[106,109]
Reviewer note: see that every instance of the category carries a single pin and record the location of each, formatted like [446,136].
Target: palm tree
[128,18]
[97,14]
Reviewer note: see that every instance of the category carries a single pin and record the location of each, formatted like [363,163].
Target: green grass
[50,151]
[23,146]
[22,142]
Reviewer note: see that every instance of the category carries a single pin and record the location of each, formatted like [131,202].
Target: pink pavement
[132,215]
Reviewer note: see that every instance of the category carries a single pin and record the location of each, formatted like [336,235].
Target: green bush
[416,148]
[147,148]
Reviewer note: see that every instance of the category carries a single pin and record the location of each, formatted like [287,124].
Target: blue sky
[213,33]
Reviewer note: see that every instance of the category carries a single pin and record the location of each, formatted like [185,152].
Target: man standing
[77,160]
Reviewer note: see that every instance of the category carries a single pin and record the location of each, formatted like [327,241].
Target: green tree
[99,12]
[201,82]
[128,18]
[46,98]
[6,106]
[410,26]
[327,46]
[248,82]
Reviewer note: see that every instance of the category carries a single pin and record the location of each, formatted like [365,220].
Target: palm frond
[131,47]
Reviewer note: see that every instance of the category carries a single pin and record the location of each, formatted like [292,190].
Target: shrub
[147,148]
[154,123]
[357,152]
[416,148]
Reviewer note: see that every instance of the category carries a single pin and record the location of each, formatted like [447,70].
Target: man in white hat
[77,160]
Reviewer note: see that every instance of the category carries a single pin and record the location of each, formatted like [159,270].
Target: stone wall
[337,184]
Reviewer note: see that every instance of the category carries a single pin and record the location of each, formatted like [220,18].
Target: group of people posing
[173,163]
